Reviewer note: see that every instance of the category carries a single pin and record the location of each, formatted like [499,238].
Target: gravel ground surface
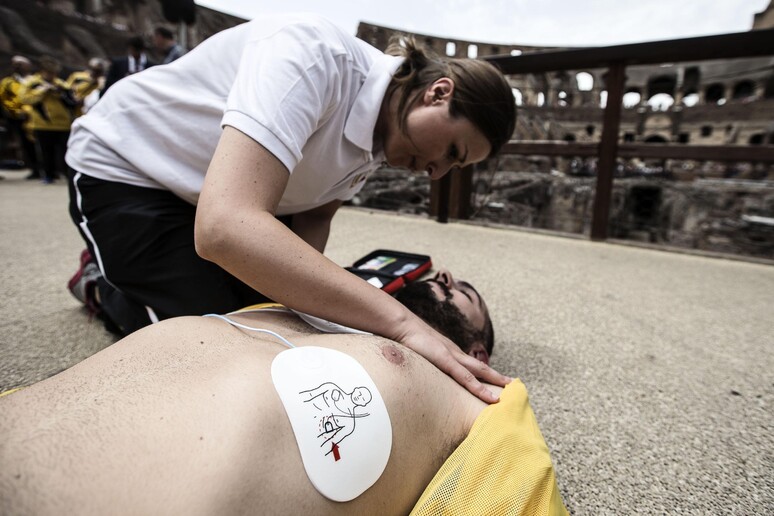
[651,373]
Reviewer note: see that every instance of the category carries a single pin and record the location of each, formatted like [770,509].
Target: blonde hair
[481,92]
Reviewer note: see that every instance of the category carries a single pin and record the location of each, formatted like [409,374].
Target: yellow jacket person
[52,111]
[50,98]
[85,82]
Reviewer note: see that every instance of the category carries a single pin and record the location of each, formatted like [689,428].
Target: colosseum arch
[518,96]
[743,89]
[561,90]
[714,93]
[584,81]
[565,100]
[662,84]
[657,128]
[768,89]
[691,80]
[757,139]
[632,98]
[691,99]
[661,101]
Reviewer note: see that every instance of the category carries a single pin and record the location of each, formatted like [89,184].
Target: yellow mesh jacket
[260,306]
[502,468]
[82,84]
[48,112]
[9,95]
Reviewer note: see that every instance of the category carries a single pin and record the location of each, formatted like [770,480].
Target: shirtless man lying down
[198,415]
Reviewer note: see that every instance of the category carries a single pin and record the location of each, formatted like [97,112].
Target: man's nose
[444,276]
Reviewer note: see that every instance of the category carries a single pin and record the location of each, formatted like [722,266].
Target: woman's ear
[440,90]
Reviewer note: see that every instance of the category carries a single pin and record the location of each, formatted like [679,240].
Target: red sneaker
[84,281]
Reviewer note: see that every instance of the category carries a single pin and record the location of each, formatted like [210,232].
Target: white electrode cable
[260,330]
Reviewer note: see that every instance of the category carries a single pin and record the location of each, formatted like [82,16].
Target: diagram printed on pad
[338,416]
[338,413]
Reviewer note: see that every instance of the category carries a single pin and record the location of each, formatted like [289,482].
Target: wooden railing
[451,196]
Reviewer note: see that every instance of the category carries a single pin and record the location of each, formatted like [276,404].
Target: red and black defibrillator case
[390,270]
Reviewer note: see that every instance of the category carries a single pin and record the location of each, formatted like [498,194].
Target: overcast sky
[529,22]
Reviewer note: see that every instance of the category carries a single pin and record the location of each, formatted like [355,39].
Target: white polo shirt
[297,84]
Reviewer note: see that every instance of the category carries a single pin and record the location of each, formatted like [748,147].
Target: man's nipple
[392,353]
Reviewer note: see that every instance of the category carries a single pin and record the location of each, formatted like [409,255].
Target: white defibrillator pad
[339,419]
[327,326]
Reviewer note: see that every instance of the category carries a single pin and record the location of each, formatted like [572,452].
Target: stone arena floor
[650,372]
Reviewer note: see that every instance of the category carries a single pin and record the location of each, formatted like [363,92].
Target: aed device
[390,270]
[385,269]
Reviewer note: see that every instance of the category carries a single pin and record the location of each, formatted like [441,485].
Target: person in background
[135,61]
[164,41]
[87,83]
[18,113]
[51,114]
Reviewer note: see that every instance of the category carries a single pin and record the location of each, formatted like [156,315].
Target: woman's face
[433,141]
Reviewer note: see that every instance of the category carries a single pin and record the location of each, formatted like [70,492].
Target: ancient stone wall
[726,216]
[74,31]
[707,102]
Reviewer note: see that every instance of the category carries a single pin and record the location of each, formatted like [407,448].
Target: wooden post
[441,189]
[608,151]
[459,194]
[450,195]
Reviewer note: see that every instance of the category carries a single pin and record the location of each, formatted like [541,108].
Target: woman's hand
[450,359]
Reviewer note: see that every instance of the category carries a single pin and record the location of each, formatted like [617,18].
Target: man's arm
[34,91]
[9,98]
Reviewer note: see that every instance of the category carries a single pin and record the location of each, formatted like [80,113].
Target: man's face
[21,67]
[462,295]
[455,309]
[159,42]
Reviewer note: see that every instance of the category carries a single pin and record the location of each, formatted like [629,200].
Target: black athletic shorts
[143,241]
